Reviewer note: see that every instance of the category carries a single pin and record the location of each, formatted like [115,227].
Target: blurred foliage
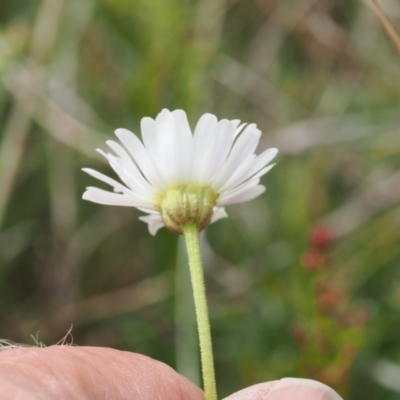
[322,81]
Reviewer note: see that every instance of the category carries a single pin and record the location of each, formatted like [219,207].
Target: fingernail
[301,389]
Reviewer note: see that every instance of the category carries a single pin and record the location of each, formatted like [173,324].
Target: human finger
[287,389]
[69,372]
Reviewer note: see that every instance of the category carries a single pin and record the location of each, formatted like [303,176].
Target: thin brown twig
[387,25]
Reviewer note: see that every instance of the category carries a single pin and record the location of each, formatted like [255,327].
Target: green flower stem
[191,234]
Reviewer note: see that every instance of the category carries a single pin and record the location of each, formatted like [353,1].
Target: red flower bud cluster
[321,241]
[299,335]
[356,317]
[321,238]
[312,260]
[328,297]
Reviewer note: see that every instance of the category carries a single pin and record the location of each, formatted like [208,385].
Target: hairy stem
[191,234]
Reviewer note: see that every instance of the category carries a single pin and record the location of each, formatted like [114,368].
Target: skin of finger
[68,373]
[301,389]
[255,392]
[287,389]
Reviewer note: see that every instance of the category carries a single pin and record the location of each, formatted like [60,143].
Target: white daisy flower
[178,177]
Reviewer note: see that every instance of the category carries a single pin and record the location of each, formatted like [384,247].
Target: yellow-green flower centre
[182,204]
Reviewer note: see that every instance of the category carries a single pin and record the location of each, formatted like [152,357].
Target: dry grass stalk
[387,25]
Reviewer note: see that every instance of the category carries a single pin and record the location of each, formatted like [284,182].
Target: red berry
[329,298]
[311,260]
[321,237]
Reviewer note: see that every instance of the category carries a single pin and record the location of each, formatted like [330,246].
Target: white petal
[245,193]
[262,172]
[185,146]
[131,177]
[244,147]
[159,139]
[218,213]
[182,123]
[239,129]
[118,187]
[141,157]
[266,157]
[101,196]
[149,210]
[154,222]
[148,129]
[235,123]
[205,125]
[168,160]
[201,138]
[131,200]
[127,170]
[216,151]
[260,162]
[256,168]
[117,166]
[125,158]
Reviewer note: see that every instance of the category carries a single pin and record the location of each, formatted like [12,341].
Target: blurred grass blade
[44,37]
[387,25]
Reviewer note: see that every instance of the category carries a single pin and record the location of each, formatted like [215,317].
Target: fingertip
[300,389]
[287,389]
[69,372]
[255,392]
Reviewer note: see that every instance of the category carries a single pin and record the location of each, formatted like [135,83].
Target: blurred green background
[322,81]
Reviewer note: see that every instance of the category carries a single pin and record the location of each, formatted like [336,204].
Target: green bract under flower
[186,203]
[176,177]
